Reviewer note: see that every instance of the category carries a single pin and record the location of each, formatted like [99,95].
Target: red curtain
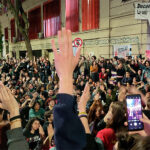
[6,33]
[13,1]
[90,14]
[52,20]
[72,15]
[13,32]
[34,23]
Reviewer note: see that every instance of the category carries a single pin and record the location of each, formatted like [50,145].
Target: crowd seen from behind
[35,84]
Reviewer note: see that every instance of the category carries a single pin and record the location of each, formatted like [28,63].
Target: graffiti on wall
[111,41]
[89,42]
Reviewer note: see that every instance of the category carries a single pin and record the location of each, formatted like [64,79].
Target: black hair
[35,104]
[30,122]
[126,141]
[48,115]
[45,94]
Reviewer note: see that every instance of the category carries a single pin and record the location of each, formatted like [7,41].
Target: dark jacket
[16,140]
[69,131]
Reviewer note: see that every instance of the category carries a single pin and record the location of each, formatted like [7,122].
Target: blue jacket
[69,131]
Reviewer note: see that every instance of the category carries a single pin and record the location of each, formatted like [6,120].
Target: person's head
[127,74]
[87,77]
[50,78]
[96,110]
[14,91]
[148,103]
[128,84]
[51,92]
[134,79]
[97,96]
[52,103]
[44,95]
[82,83]
[109,91]
[147,64]
[108,61]
[93,58]
[126,141]
[139,72]
[42,88]
[117,111]
[30,86]
[94,63]
[103,70]
[147,88]
[82,73]
[107,70]
[132,62]
[142,144]
[33,124]
[33,78]
[83,58]
[36,106]
[132,142]
[120,66]
[48,116]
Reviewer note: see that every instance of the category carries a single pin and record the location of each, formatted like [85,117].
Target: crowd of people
[74,102]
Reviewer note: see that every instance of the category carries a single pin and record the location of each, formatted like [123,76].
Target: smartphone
[134,112]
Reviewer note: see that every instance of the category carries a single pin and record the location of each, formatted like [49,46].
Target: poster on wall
[122,50]
[142,11]
[148,54]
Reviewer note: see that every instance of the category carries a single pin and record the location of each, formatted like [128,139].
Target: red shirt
[108,137]
[102,76]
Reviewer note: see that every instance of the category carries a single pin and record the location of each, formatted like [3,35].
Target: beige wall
[117,27]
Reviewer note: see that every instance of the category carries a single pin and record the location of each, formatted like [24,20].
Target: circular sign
[78,42]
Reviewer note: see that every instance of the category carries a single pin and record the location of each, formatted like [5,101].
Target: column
[63,13]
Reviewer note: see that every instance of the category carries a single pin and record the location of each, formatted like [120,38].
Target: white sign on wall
[122,50]
[142,11]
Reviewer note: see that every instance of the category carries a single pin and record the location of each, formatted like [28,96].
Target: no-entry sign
[78,42]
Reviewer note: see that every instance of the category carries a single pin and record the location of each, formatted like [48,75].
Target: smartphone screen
[134,111]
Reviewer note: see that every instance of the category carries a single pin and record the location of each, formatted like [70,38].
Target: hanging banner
[122,50]
[148,54]
[142,11]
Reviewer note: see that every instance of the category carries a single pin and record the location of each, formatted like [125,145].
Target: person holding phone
[134,112]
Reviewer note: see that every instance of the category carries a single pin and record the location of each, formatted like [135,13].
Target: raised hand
[7,101]
[65,61]
[84,98]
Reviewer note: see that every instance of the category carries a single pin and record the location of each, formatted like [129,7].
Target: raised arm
[16,140]
[69,131]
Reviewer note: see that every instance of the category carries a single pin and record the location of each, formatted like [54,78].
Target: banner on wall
[142,11]
[122,50]
[148,54]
